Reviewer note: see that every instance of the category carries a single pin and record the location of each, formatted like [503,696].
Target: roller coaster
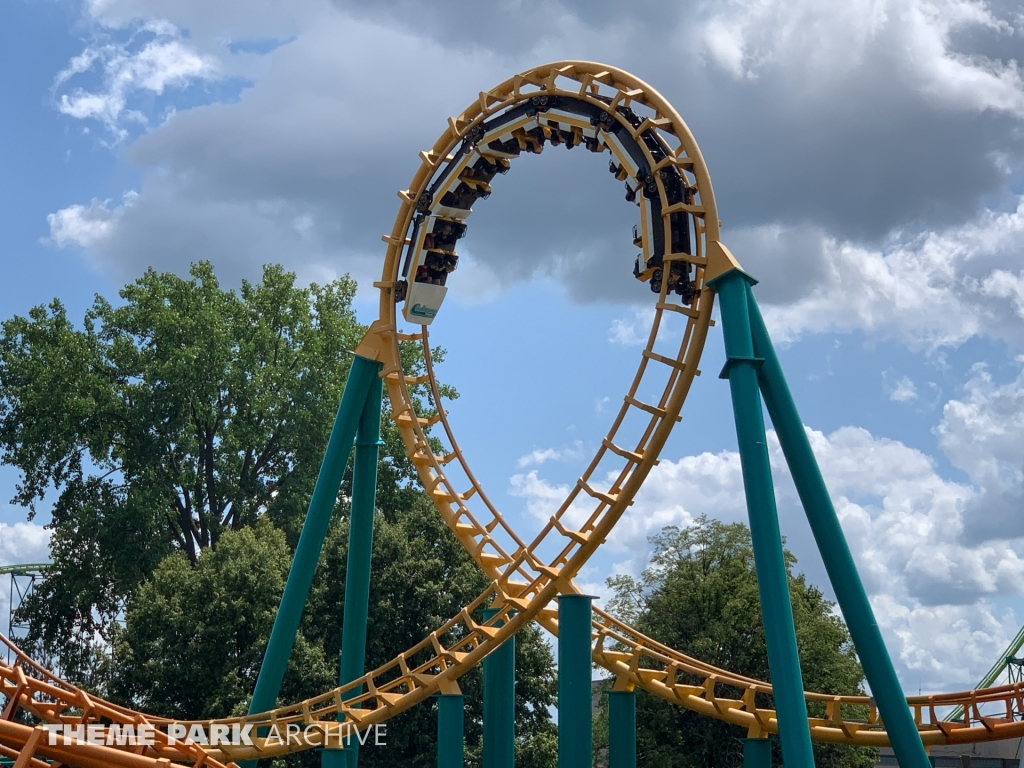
[681,256]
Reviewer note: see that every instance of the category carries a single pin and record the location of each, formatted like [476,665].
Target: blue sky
[868,168]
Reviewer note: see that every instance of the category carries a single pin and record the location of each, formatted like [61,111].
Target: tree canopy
[183,411]
[175,438]
[192,641]
[699,595]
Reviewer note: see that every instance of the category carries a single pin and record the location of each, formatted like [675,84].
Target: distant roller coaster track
[676,183]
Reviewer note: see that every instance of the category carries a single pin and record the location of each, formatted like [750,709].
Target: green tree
[182,412]
[699,595]
[177,436]
[193,635]
[190,646]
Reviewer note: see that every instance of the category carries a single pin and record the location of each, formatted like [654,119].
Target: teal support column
[757,753]
[828,533]
[621,729]
[575,724]
[772,581]
[499,747]
[300,577]
[352,661]
[451,723]
[334,757]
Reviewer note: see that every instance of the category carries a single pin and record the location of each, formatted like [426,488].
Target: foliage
[193,637]
[178,436]
[421,576]
[699,595]
[184,411]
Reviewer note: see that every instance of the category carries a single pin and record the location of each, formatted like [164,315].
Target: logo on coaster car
[421,311]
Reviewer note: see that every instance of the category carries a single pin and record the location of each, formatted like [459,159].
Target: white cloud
[943,646]
[934,289]
[725,43]
[904,391]
[165,61]
[983,432]
[829,86]
[748,38]
[1001,284]
[24,543]
[477,282]
[543,499]
[308,143]
[904,523]
[86,226]
[539,456]
[632,330]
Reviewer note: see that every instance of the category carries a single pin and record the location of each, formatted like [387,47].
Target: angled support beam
[828,533]
[318,517]
[741,369]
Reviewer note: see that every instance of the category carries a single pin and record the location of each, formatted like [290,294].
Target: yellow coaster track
[523,580]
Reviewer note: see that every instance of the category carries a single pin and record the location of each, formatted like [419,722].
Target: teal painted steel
[772,581]
[333,758]
[352,662]
[499,746]
[621,729]
[451,723]
[757,753]
[300,578]
[828,533]
[575,692]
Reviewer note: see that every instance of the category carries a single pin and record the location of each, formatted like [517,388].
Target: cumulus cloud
[24,543]
[903,521]
[945,647]
[632,330]
[749,38]
[313,142]
[853,127]
[543,499]
[982,432]
[165,60]
[539,456]
[86,226]
[477,284]
[927,290]
[904,391]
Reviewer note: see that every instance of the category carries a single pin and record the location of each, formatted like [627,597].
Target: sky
[868,164]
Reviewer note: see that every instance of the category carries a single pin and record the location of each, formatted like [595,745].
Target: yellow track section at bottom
[525,576]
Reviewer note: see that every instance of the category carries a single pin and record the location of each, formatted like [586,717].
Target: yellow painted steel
[523,583]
